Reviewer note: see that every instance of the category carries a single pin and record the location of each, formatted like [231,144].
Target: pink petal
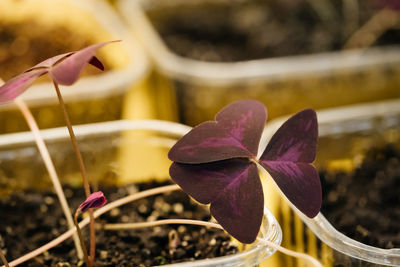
[67,71]
[17,85]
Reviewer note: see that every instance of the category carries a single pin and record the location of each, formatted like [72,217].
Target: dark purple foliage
[63,69]
[215,163]
[95,200]
[235,133]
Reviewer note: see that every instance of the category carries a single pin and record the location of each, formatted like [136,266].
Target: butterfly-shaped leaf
[232,187]
[214,163]
[63,69]
[67,71]
[235,133]
[287,158]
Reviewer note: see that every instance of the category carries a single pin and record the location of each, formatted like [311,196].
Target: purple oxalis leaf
[48,63]
[214,163]
[67,71]
[95,200]
[287,158]
[17,85]
[232,187]
[64,69]
[235,133]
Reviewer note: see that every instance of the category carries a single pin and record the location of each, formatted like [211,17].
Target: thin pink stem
[78,230]
[97,213]
[129,226]
[74,142]
[44,152]
[82,169]
[3,258]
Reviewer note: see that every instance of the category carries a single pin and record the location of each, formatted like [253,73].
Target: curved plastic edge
[319,225]
[211,73]
[270,228]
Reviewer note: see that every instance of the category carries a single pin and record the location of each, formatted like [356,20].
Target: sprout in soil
[50,168]
[216,162]
[95,200]
[63,69]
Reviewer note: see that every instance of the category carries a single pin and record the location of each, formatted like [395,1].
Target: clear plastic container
[344,135]
[106,149]
[93,98]
[284,84]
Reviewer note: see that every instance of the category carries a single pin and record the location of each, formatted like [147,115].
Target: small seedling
[216,162]
[63,69]
[95,200]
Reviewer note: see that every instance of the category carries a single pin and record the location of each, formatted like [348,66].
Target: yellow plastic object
[153,98]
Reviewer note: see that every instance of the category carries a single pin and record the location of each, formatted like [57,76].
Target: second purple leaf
[288,157]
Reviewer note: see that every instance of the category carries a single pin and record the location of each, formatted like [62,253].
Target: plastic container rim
[320,225]
[273,233]
[211,73]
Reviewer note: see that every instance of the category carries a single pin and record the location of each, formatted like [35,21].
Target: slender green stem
[50,168]
[81,167]
[78,230]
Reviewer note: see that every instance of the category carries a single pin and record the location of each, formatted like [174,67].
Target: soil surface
[32,219]
[365,204]
[254,29]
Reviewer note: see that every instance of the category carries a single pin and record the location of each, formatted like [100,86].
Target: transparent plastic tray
[284,84]
[107,150]
[344,134]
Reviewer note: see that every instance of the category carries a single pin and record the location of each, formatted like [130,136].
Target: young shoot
[63,69]
[95,200]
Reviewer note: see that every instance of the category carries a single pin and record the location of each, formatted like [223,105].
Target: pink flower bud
[95,200]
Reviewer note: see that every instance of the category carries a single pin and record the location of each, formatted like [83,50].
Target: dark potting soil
[365,204]
[30,219]
[228,31]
